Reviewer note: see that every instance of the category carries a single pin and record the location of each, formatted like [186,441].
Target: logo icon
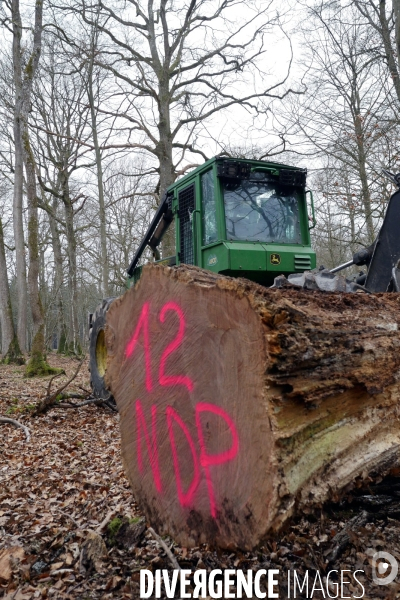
[275,258]
[212,260]
[384,568]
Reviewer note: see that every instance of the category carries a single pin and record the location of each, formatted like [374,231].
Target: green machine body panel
[241,218]
[256,261]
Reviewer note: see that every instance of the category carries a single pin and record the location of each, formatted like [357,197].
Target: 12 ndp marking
[201,459]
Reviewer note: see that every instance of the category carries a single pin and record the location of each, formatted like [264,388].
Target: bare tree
[384,19]
[61,126]
[346,113]
[178,67]
[20,97]
[24,74]
[89,80]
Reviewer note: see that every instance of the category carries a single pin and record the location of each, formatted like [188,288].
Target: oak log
[242,405]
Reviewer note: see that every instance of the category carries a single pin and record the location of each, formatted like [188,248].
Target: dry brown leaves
[56,491]
[57,487]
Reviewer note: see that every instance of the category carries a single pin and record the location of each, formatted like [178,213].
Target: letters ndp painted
[189,438]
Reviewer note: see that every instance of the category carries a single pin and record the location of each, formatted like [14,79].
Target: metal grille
[301,262]
[186,201]
[289,177]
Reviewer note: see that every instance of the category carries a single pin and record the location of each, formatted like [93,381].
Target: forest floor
[64,494]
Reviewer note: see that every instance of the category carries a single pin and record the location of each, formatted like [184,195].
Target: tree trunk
[396,10]
[23,86]
[20,267]
[164,155]
[33,237]
[241,405]
[393,64]
[6,317]
[105,276]
[362,170]
[74,344]
[58,278]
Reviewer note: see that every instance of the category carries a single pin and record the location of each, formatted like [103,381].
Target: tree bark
[20,267]
[164,154]
[6,317]
[72,268]
[33,244]
[393,64]
[362,169]
[241,406]
[37,364]
[396,10]
[105,272]
[58,277]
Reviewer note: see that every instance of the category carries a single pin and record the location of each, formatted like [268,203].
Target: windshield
[261,211]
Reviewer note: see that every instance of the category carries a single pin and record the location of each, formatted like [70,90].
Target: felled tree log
[241,406]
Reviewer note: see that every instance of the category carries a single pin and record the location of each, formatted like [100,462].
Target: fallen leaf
[7,555]
[93,551]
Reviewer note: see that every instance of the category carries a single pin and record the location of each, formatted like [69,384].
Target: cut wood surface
[241,406]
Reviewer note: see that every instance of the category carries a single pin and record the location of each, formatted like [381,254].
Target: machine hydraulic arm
[155,233]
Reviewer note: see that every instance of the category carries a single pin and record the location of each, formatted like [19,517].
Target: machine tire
[98,352]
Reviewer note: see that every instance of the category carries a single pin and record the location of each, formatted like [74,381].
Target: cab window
[209,208]
[259,211]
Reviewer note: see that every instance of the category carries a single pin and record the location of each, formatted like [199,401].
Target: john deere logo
[212,260]
[275,259]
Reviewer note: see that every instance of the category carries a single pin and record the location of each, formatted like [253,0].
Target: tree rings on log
[240,405]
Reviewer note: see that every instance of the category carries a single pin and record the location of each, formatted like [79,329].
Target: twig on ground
[82,569]
[49,400]
[84,389]
[83,582]
[95,401]
[164,546]
[69,517]
[51,381]
[17,424]
[70,395]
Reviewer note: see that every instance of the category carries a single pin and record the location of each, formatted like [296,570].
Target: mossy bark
[37,365]
[62,345]
[14,354]
[23,80]
[9,340]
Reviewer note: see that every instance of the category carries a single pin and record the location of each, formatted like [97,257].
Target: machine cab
[241,218]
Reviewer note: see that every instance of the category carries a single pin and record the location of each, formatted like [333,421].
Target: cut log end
[240,405]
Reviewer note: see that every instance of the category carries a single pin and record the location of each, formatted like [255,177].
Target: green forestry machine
[242,218]
[238,218]
[251,219]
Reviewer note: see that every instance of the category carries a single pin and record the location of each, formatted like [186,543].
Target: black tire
[98,352]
